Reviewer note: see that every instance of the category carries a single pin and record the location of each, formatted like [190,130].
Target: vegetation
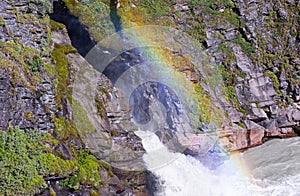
[211,4]
[208,111]
[62,70]
[55,26]
[64,128]
[25,159]
[94,14]
[274,79]
[155,8]
[22,59]
[87,172]
[247,47]
[20,162]
[36,64]
[82,121]
[41,6]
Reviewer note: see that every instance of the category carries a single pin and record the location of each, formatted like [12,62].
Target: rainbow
[172,56]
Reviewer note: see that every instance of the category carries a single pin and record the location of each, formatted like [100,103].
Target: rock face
[259,59]
[253,52]
[30,98]
[26,105]
[111,136]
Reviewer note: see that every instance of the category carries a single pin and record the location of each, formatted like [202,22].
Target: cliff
[50,119]
[47,149]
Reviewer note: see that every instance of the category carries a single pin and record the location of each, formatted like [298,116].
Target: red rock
[235,137]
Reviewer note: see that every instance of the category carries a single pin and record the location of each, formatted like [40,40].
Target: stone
[234,137]
[287,132]
[296,115]
[272,129]
[234,115]
[258,114]
[195,144]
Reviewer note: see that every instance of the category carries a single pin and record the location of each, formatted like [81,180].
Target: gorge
[150,97]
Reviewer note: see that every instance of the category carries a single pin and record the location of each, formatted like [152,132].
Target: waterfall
[181,175]
[184,175]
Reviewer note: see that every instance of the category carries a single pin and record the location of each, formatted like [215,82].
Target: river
[269,169]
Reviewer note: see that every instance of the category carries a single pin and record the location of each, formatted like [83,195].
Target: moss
[55,26]
[25,158]
[15,77]
[231,96]
[94,193]
[99,102]
[36,64]
[28,116]
[23,59]
[19,160]
[95,15]
[274,79]
[155,8]
[241,125]
[204,103]
[52,192]
[82,121]
[62,71]
[64,128]
[41,6]
[114,132]
[88,172]
[55,165]
[2,21]
[197,30]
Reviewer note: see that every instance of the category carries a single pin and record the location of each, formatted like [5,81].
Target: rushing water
[271,169]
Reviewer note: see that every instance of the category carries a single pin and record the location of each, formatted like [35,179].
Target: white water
[181,175]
